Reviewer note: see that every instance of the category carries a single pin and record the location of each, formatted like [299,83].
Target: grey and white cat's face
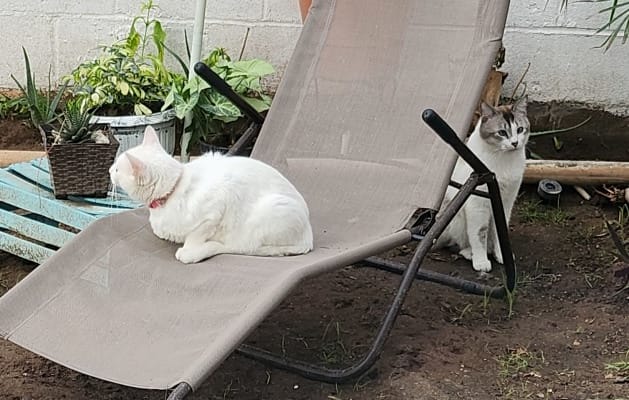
[505,127]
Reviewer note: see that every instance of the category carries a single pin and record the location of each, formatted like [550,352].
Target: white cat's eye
[502,132]
[520,129]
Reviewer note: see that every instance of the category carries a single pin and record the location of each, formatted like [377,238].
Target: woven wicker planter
[81,169]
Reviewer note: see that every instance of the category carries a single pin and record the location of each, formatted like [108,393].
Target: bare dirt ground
[565,330]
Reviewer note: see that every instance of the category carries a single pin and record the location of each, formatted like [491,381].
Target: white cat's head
[505,127]
[146,172]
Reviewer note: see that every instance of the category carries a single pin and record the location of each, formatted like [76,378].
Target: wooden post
[304,6]
[8,157]
[577,172]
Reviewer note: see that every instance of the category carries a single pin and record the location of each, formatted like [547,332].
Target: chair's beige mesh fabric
[352,97]
[344,127]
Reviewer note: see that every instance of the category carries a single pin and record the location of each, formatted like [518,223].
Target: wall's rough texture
[563,50]
[60,33]
[565,63]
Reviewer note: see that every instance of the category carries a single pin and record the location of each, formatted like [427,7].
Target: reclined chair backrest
[345,125]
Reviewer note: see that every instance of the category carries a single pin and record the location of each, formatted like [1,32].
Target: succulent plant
[75,124]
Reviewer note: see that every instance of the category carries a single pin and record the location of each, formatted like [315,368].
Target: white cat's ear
[520,105]
[150,137]
[486,111]
[137,166]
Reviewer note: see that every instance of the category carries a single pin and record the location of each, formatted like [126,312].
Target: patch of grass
[531,211]
[623,220]
[516,361]
[620,368]
[13,107]
[461,313]
[333,349]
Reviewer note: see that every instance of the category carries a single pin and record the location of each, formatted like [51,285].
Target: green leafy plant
[13,107]
[42,106]
[214,118]
[129,77]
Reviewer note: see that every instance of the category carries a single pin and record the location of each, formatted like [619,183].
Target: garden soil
[556,340]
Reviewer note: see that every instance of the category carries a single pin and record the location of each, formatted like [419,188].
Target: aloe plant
[42,106]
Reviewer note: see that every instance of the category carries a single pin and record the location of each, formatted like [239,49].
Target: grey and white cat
[499,140]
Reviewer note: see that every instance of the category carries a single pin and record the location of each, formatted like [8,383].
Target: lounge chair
[345,128]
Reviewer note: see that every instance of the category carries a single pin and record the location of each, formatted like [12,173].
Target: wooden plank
[16,181]
[24,249]
[577,172]
[28,171]
[33,229]
[120,203]
[99,210]
[121,200]
[41,163]
[57,210]
[8,157]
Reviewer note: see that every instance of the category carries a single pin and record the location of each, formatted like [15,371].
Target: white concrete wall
[60,33]
[565,63]
[562,47]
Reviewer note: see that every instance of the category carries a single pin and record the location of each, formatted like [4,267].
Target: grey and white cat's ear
[486,111]
[519,106]
[150,137]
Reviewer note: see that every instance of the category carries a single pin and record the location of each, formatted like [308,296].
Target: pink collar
[157,203]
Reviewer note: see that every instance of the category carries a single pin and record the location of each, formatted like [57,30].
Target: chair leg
[315,372]
[502,229]
[180,392]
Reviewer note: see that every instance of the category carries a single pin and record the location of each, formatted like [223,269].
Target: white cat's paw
[482,266]
[187,256]
[466,253]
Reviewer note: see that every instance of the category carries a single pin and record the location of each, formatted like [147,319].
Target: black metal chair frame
[426,231]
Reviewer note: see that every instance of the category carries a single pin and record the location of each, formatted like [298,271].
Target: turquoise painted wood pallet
[33,224]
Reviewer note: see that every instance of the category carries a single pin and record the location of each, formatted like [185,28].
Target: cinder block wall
[60,33]
[563,49]
[561,46]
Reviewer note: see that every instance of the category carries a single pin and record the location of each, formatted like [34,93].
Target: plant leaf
[255,67]
[259,104]
[141,109]
[159,38]
[133,38]
[123,87]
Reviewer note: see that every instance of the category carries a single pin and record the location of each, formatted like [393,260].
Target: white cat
[215,204]
[499,140]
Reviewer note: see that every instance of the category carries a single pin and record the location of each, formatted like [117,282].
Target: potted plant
[79,153]
[128,82]
[216,122]
[42,106]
